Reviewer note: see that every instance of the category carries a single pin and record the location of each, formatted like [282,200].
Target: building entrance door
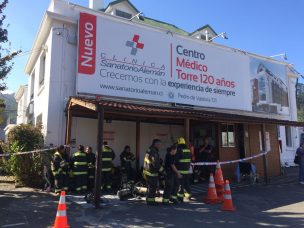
[201,133]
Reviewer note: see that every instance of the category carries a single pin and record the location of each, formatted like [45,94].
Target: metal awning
[87,107]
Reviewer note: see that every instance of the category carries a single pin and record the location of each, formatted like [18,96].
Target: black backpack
[297,159]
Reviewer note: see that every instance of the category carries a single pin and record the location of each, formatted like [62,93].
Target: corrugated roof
[166,111]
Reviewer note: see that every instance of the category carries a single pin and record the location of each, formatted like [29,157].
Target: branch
[9,57]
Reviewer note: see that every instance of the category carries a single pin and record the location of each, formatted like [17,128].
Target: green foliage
[27,169]
[301,114]
[300,104]
[2,107]
[300,101]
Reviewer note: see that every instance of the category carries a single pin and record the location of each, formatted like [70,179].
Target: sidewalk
[290,176]
[279,204]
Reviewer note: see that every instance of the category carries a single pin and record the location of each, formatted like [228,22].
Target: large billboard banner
[129,60]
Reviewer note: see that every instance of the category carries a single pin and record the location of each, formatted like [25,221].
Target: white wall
[168,134]
[288,152]
[62,81]
[121,133]
[22,106]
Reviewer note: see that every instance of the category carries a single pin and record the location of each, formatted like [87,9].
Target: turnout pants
[171,188]
[81,182]
[106,180]
[91,178]
[152,186]
[61,182]
[184,187]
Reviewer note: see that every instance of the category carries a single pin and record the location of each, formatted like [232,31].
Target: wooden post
[264,147]
[137,145]
[68,126]
[97,190]
[187,130]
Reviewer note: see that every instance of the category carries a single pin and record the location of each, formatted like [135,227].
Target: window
[123,14]
[228,135]
[32,85]
[288,136]
[42,70]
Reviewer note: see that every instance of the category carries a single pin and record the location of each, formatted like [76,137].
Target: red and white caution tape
[230,162]
[27,152]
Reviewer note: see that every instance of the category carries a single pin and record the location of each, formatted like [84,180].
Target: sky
[263,27]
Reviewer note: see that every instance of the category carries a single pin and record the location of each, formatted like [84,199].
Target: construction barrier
[229,162]
[211,197]
[27,152]
[227,205]
[61,220]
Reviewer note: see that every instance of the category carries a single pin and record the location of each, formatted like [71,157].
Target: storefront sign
[124,59]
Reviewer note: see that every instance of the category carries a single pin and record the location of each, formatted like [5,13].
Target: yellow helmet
[181,140]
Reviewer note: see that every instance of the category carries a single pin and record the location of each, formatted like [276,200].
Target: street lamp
[283,56]
[223,35]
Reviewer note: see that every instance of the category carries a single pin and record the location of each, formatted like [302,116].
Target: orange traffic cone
[61,220]
[211,197]
[227,205]
[219,182]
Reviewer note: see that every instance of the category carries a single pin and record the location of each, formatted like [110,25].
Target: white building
[52,82]
[52,71]
[290,137]
[21,99]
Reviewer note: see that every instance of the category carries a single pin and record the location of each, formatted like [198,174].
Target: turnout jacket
[183,159]
[91,160]
[108,156]
[126,158]
[80,163]
[152,163]
[59,164]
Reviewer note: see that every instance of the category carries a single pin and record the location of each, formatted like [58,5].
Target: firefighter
[152,168]
[183,157]
[126,159]
[91,167]
[80,169]
[171,177]
[108,156]
[59,168]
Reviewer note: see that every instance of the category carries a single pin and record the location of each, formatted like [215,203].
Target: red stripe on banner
[87,44]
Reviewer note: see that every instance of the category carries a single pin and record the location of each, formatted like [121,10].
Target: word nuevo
[87,44]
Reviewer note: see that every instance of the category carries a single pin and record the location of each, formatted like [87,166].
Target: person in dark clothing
[59,168]
[183,157]
[300,153]
[80,169]
[171,177]
[126,159]
[91,167]
[206,155]
[108,156]
[152,168]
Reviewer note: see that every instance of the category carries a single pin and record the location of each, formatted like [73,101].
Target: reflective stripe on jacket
[152,164]
[80,163]
[57,162]
[183,159]
[108,156]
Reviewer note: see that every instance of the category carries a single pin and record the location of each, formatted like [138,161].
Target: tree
[27,168]
[6,56]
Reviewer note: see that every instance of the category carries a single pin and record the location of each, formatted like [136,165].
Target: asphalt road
[280,204]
